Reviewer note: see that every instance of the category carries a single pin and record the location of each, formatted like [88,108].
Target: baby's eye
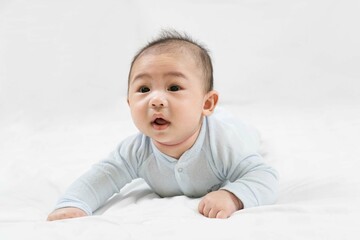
[144,89]
[174,88]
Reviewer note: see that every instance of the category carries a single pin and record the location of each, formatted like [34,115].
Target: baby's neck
[177,150]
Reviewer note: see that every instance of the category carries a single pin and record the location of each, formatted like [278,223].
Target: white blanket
[290,69]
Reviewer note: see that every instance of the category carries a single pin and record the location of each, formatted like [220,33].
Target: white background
[72,57]
[291,68]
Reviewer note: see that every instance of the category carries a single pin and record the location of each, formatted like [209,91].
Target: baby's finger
[222,214]
[201,207]
[212,213]
[206,210]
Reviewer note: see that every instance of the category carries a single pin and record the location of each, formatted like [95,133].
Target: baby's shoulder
[135,145]
[229,134]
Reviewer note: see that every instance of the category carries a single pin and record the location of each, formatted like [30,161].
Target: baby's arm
[250,183]
[253,182]
[95,187]
[219,204]
[68,212]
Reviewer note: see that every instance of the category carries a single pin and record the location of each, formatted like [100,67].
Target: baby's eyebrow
[142,75]
[167,74]
[175,74]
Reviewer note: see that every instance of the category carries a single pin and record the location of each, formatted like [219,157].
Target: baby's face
[167,97]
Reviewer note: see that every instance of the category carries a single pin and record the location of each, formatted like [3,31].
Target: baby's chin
[167,143]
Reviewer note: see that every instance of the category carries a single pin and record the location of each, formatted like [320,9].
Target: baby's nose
[157,104]
[158,100]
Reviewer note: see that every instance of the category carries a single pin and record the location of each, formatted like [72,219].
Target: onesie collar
[191,152]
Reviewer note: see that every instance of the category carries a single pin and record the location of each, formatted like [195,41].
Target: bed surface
[63,107]
[315,152]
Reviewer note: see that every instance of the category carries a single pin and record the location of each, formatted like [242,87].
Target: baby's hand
[219,204]
[68,212]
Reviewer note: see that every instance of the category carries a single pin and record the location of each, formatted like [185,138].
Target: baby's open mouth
[160,124]
[160,121]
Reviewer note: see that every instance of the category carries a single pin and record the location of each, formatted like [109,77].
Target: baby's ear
[211,99]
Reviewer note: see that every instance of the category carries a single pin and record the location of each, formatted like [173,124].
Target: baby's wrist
[238,203]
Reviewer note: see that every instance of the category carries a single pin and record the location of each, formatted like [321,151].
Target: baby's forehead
[166,62]
[174,48]
[178,50]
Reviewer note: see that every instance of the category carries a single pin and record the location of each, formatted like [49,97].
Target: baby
[184,147]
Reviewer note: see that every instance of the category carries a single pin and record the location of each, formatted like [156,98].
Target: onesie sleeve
[252,181]
[235,159]
[103,180]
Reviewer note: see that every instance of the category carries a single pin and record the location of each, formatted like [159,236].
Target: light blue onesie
[225,155]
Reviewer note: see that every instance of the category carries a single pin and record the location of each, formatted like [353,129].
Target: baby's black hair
[170,40]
